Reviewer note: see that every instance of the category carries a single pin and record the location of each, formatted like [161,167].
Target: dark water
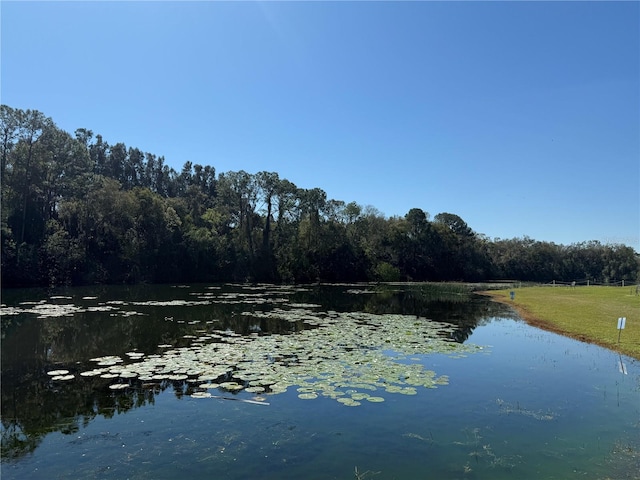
[529,404]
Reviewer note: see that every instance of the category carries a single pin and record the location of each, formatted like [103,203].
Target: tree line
[78,210]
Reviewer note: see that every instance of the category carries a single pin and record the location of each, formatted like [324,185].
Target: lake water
[314,382]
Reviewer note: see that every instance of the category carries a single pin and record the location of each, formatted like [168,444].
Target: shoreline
[550,326]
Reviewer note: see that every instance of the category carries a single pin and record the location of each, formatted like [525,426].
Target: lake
[399,381]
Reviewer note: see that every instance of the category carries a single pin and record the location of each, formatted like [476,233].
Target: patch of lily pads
[60,375]
[45,310]
[350,357]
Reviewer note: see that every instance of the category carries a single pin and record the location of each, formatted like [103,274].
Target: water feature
[342,381]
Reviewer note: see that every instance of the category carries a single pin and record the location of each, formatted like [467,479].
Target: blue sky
[522,118]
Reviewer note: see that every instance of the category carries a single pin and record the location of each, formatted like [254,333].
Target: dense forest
[78,210]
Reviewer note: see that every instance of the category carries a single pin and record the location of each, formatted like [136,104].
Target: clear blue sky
[522,118]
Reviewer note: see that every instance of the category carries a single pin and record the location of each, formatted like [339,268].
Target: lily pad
[359,396]
[209,385]
[308,396]
[231,386]
[201,395]
[118,386]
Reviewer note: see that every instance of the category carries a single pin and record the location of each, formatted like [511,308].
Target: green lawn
[589,314]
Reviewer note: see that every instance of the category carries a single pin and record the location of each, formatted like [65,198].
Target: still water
[314,382]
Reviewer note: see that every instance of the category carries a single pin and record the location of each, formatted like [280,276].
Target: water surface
[468,390]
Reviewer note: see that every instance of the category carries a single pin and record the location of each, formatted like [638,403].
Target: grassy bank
[589,314]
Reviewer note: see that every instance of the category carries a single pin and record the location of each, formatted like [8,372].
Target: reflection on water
[528,381]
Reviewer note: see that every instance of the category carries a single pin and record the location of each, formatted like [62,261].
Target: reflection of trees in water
[36,408]
[455,304]
[33,405]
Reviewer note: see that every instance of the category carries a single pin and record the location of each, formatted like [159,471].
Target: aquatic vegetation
[170,303]
[45,310]
[53,310]
[349,357]
[342,356]
[6,311]
[363,475]
[201,395]
[508,409]
[308,396]
[118,386]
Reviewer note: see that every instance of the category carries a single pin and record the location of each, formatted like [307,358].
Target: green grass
[589,314]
